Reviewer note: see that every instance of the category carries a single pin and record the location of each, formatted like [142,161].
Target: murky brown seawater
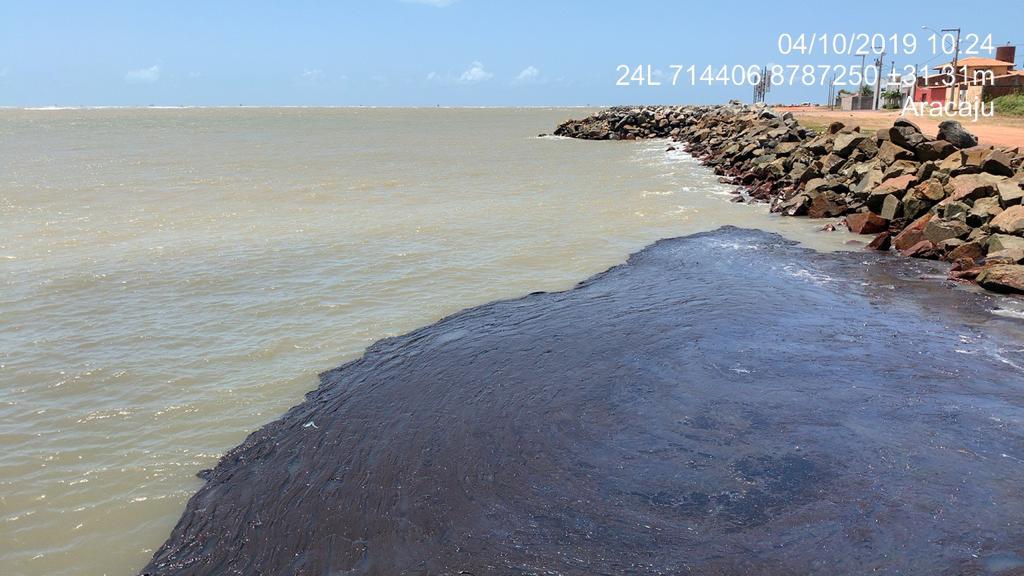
[174,279]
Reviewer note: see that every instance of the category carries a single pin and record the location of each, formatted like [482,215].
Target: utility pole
[832,91]
[956,45]
[879,65]
[918,68]
[956,59]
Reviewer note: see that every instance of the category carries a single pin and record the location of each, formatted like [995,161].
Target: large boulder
[955,211]
[971,250]
[914,204]
[892,208]
[997,242]
[933,150]
[952,162]
[866,223]
[1010,192]
[868,147]
[901,168]
[1003,278]
[930,189]
[1009,221]
[966,187]
[984,210]
[923,249]
[975,156]
[786,148]
[832,163]
[953,132]
[897,185]
[938,230]
[913,233]
[845,144]
[795,206]
[869,182]
[889,152]
[906,134]
[998,162]
[882,242]
[826,205]
[1008,256]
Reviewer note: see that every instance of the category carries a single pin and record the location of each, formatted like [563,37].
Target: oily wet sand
[724,403]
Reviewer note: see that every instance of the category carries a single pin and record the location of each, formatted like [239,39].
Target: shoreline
[421,454]
[944,198]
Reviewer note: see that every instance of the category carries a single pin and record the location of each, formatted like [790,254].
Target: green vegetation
[1010,105]
[893,98]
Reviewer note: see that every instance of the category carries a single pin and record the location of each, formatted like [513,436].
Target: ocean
[175,278]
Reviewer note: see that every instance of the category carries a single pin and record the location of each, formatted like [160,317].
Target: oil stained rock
[724,403]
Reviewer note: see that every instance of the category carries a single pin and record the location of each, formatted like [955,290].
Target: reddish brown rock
[1010,221]
[969,187]
[905,133]
[913,233]
[889,152]
[975,155]
[866,223]
[826,205]
[1003,278]
[881,242]
[938,230]
[998,162]
[972,251]
[930,189]
[907,238]
[934,150]
[923,249]
[965,269]
[896,185]
[1008,256]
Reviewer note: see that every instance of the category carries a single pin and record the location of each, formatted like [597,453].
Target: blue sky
[427,52]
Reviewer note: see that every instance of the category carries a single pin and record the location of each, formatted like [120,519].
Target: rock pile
[942,198]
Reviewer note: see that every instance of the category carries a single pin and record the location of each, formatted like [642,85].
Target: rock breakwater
[925,197]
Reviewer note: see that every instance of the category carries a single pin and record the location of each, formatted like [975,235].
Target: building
[973,80]
[847,101]
[895,91]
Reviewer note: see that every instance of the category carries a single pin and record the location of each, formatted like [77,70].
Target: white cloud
[143,75]
[312,74]
[434,3]
[528,74]
[475,73]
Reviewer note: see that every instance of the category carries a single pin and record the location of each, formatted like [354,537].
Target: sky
[443,52]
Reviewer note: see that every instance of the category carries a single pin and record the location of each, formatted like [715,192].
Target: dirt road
[996,131]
